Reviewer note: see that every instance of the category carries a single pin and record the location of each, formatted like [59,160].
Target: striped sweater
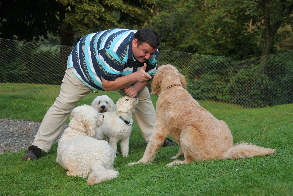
[106,54]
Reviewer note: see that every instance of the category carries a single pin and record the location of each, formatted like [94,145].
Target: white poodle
[80,153]
[103,104]
[117,125]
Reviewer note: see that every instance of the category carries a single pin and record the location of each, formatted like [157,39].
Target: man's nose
[147,56]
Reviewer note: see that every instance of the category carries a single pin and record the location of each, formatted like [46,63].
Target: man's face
[142,52]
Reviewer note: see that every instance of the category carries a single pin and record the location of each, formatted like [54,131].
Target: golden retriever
[200,135]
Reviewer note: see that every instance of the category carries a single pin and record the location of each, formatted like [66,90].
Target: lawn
[268,175]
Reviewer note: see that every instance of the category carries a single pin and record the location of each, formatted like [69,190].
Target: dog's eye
[99,102]
[126,99]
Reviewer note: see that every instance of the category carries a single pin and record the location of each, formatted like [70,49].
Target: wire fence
[256,82]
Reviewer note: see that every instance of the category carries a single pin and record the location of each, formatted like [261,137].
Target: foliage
[28,19]
[285,35]
[250,83]
[279,70]
[250,88]
[174,22]
[79,18]
[181,60]
[256,82]
[208,76]
[29,62]
[238,29]
[269,175]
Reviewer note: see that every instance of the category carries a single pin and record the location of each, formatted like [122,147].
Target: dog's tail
[99,174]
[246,150]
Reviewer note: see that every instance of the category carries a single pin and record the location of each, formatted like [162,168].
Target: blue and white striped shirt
[106,54]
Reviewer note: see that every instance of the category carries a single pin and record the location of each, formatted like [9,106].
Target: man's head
[144,44]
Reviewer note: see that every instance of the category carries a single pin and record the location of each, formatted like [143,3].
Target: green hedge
[256,82]
[23,62]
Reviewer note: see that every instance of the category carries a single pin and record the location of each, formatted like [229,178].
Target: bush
[249,88]
[279,69]
[257,82]
[23,62]
[208,76]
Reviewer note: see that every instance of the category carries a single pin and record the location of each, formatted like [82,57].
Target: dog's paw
[176,162]
[133,163]
[102,175]
[174,157]
[138,162]
[74,173]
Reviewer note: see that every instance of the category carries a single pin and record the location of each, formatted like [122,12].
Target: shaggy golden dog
[200,135]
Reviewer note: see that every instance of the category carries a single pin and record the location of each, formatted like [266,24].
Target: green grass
[268,175]
[31,101]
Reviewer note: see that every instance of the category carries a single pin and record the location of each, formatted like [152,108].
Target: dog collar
[172,86]
[125,121]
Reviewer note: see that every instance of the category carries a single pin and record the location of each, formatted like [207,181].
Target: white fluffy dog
[103,104]
[117,125]
[80,153]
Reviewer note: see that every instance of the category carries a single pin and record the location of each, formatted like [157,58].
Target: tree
[235,28]
[264,18]
[82,17]
[172,19]
[272,15]
[28,19]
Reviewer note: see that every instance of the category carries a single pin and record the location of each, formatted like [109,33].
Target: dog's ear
[182,80]
[156,87]
[90,126]
[112,106]
[72,114]
[89,117]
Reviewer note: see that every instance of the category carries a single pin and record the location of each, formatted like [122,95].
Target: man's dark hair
[149,36]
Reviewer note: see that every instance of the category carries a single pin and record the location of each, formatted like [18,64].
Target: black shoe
[169,142]
[33,153]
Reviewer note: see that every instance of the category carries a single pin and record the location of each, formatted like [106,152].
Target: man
[112,60]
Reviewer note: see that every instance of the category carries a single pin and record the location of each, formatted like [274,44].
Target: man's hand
[143,76]
[139,77]
[132,91]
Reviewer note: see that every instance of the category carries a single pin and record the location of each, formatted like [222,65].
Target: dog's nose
[103,107]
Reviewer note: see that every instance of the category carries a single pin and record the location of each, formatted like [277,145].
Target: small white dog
[117,125]
[80,153]
[103,104]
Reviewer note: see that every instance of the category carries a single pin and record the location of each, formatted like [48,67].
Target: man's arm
[121,82]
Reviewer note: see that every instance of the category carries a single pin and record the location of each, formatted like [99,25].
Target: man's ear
[134,43]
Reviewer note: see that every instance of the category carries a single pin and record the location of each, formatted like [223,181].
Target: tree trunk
[66,32]
[66,36]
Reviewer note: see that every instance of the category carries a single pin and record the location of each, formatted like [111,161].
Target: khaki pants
[71,92]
